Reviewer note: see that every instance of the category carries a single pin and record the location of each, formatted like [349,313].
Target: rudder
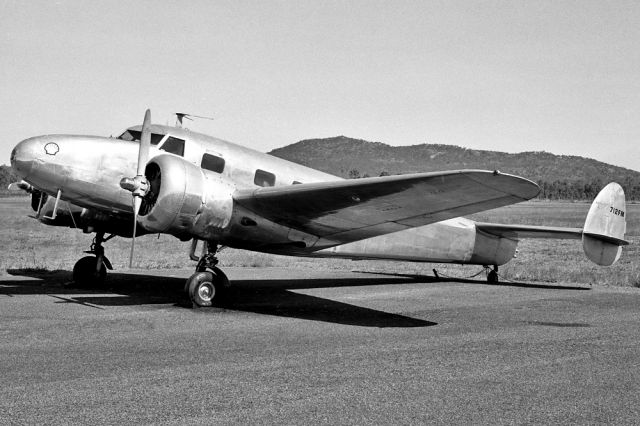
[605,225]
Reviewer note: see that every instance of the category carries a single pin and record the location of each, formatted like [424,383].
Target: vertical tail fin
[604,228]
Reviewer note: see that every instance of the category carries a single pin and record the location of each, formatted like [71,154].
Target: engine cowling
[185,200]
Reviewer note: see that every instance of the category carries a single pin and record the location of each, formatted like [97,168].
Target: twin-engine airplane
[200,188]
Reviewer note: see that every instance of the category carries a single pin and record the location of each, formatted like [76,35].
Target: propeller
[139,185]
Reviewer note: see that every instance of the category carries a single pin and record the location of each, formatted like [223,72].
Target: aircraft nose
[24,154]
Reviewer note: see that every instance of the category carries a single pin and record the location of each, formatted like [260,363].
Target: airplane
[168,179]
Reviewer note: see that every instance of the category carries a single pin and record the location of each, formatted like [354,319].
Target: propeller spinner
[139,185]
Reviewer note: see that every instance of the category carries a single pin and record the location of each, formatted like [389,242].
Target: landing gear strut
[208,285]
[492,276]
[91,271]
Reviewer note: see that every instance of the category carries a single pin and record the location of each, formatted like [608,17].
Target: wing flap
[350,210]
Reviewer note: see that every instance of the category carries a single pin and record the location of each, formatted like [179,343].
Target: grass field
[28,244]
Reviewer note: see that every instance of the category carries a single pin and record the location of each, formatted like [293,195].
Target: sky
[555,76]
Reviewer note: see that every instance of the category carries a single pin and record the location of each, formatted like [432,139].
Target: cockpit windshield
[134,135]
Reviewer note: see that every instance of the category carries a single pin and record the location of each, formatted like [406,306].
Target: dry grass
[28,244]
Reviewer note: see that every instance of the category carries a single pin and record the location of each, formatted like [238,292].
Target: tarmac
[297,347]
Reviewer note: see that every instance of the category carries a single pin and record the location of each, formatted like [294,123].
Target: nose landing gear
[208,285]
[91,271]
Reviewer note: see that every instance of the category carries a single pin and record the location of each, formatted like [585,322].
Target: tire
[492,277]
[85,274]
[205,289]
[222,279]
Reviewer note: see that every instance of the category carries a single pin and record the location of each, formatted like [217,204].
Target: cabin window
[174,146]
[213,163]
[135,135]
[295,182]
[263,178]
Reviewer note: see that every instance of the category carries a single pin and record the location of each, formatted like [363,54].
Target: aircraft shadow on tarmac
[481,281]
[268,297]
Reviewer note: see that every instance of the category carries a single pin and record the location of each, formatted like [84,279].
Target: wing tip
[519,186]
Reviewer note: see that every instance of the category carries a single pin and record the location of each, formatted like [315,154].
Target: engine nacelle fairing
[450,241]
[185,200]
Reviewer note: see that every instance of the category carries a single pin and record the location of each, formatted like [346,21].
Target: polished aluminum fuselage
[89,168]
[87,171]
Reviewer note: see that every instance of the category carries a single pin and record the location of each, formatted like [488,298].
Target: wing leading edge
[350,210]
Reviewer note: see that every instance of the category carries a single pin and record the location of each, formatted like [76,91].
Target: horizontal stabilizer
[519,232]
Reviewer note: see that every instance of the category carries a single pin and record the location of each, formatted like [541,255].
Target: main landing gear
[91,271]
[208,285]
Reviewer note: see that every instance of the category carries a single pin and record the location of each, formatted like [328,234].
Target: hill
[560,176]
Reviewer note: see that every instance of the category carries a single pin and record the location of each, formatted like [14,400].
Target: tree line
[583,190]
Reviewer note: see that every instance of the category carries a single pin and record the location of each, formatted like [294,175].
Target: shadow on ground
[268,297]
[263,296]
[504,283]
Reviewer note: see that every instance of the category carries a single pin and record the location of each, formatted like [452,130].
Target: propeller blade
[139,185]
[137,202]
[145,143]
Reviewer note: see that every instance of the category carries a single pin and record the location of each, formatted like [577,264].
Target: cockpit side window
[174,146]
[135,135]
[156,138]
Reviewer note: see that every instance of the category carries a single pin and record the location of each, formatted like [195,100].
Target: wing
[350,210]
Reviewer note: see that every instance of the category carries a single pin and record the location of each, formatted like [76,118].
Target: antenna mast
[182,115]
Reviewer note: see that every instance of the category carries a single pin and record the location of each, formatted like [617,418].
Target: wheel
[85,273]
[492,277]
[206,288]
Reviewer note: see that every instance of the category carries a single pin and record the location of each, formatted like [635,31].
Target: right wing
[348,210]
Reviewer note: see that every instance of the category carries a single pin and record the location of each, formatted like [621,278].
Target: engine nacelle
[492,250]
[450,241]
[185,200]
